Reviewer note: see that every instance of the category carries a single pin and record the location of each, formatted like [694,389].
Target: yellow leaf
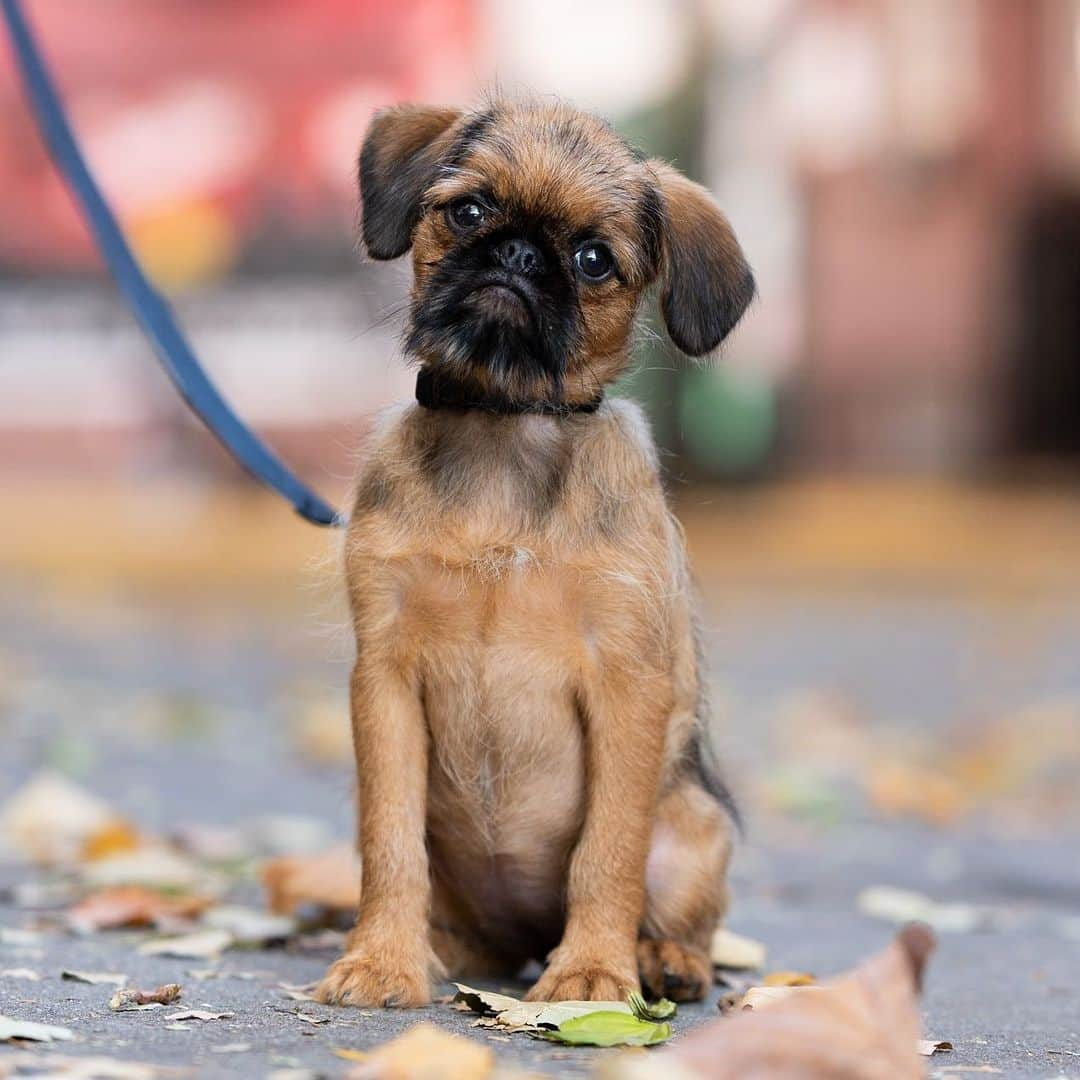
[788,978]
[730,950]
[115,837]
[426,1052]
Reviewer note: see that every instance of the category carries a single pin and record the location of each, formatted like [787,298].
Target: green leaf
[607,1028]
[658,1010]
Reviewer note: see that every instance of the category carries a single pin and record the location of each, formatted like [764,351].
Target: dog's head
[535,231]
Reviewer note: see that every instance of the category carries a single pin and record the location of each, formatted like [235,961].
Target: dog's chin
[500,305]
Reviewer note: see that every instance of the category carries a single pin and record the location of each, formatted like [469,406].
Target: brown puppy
[526,697]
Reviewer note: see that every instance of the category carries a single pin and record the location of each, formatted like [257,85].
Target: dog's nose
[519,257]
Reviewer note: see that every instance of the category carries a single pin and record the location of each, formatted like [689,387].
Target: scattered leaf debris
[930,1047]
[904,906]
[731,950]
[199,1014]
[424,1051]
[94,978]
[26,1030]
[131,999]
[131,906]
[202,945]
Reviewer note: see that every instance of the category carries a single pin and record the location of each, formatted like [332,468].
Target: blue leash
[152,312]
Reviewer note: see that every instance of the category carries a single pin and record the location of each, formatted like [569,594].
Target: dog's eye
[594,262]
[466,214]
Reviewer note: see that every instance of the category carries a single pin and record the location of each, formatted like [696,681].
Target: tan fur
[526,684]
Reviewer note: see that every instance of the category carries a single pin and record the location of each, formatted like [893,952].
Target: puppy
[526,698]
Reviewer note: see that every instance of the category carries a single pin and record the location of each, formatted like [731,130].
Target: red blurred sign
[210,121]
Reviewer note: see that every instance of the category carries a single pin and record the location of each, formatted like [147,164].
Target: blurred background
[878,477]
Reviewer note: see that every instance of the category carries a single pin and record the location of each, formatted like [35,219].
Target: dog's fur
[526,695]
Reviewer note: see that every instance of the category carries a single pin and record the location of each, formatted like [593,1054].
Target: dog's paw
[583,980]
[368,978]
[673,970]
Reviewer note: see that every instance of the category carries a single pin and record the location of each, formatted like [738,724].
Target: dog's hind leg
[686,892]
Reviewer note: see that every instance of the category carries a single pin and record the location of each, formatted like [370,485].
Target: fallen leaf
[309,1018]
[731,950]
[760,997]
[298,993]
[904,905]
[113,838]
[154,866]
[521,1015]
[131,905]
[658,1010]
[930,1047]
[94,977]
[351,1055]
[863,1026]
[788,978]
[330,880]
[199,946]
[20,973]
[485,1002]
[607,1028]
[50,818]
[425,1051]
[249,926]
[132,999]
[199,1014]
[27,1030]
[85,1068]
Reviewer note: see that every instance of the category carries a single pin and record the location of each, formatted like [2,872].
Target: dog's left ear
[706,282]
[398,160]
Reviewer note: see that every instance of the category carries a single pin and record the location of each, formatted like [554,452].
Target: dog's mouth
[502,299]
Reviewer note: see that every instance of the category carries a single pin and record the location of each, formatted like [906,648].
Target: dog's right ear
[398,160]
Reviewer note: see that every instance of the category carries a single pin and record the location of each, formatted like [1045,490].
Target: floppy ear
[401,150]
[706,283]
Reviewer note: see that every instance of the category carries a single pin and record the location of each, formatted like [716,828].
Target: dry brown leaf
[426,1052]
[199,1014]
[198,946]
[329,879]
[861,1026]
[788,978]
[930,1047]
[130,999]
[131,905]
[731,950]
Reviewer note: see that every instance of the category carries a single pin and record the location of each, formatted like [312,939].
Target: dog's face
[535,232]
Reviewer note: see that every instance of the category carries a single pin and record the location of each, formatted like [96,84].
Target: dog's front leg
[388,958]
[625,714]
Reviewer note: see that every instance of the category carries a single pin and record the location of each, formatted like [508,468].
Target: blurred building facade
[904,174]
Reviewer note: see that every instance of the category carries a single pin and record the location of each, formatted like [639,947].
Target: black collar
[444,391]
